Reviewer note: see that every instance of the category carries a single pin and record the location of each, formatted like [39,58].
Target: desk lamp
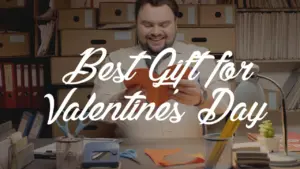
[249,92]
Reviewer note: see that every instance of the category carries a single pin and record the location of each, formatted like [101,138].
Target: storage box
[217,40]
[95,129]
[80,96]
[74,42]
[60,66]
[110,12]
[61,4]
[12,3]
[77,19]
[188,15]
[14,44]
[216,15]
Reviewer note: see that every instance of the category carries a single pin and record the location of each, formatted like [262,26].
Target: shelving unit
[22,19]
[273,65]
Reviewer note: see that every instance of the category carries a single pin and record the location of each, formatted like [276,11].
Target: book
[157,95]
[246,146]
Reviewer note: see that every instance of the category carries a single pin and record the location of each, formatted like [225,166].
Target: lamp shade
[249,92]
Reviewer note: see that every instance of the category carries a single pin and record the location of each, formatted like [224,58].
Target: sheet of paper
[172,157]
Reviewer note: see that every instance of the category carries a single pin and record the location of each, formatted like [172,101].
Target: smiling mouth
[156,40]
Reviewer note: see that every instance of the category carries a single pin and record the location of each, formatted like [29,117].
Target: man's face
[156,28]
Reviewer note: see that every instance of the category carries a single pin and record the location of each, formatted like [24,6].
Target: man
[156,25]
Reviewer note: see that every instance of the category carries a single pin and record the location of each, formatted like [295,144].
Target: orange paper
[158,156]
[155,95]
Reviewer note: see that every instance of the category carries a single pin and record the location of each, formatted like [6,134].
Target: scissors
[65,128]
[131,155]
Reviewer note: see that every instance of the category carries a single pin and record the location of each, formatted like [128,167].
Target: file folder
[41,92]
[20,89]
[34,87]
[36,126]
[26,86]
[26,123]
[10,86]
[2,87]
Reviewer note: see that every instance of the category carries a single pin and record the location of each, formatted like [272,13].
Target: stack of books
[248,155]
[252,159]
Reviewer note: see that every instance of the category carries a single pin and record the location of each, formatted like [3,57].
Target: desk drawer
[60,66]
[216,15]
[74,42]
[188,15]
[77,18]
[114,12]
[217,40]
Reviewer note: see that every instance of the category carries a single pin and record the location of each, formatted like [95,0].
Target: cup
[69,152]
[217,152]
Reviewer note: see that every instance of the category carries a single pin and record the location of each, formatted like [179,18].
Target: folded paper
[159,157]
[157,95]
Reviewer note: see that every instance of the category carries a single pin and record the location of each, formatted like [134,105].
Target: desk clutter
[16,151]
[107,152]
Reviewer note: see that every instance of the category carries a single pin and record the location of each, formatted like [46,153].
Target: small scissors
[66,131]
[131,155]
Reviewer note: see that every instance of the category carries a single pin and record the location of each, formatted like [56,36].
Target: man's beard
[153,54]
[147,48]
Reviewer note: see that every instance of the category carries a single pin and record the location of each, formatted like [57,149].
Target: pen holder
[218,152]
[69,152]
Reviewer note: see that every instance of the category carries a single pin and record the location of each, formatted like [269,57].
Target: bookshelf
[282,55]
[14,19]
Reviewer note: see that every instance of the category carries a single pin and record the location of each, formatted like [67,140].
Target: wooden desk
[189,145]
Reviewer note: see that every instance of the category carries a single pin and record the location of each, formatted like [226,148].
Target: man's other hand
[189,92]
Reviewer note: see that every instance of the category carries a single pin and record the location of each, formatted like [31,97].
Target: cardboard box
[217,40]
[80,96]
[12,3]
[60,66]
[110,12]
[61,4]
[74,42]
[14,44]
[216,15]
[95,129]
[77,19]
[188,15]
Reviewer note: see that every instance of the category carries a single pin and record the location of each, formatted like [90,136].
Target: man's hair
[171,3]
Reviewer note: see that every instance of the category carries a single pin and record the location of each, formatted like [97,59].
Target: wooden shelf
[271,61]
[268,10]
[273,65]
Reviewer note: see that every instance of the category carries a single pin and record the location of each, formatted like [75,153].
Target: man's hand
[189,92]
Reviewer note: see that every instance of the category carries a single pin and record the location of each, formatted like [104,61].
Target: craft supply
[68,152]
[79,128]
[225,154]
[131,155]
[157,95]
[158,156]
[64,128]
[111,150]
[49,151]
[228,130]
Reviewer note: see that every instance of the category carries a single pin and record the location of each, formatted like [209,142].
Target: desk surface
[188,145]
